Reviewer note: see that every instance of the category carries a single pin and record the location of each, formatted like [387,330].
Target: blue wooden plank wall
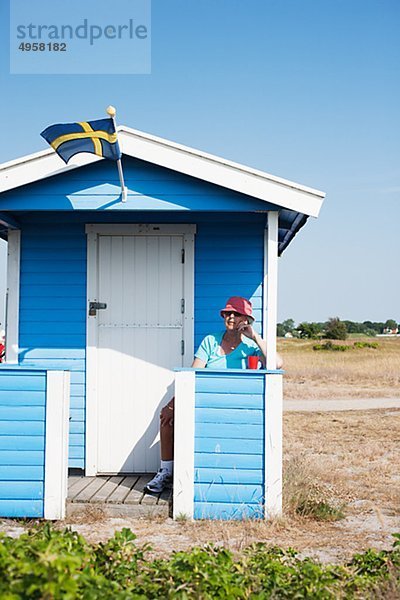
[22,442]
[229,445]
[228,261]
[53,310]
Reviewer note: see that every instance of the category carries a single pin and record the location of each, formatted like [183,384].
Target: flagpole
[112,112]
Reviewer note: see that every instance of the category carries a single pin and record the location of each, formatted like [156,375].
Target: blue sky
[303,89]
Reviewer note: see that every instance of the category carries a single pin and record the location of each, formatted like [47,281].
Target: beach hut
[107,301]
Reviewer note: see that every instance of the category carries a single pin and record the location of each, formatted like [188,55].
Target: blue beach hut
[107,301]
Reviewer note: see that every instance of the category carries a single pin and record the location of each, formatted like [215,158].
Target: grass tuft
[305,494]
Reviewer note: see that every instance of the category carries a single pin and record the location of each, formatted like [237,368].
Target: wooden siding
[228,262]
[53,310]
[22,442]
[229,445]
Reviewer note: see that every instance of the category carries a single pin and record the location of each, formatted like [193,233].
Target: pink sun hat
[239,305]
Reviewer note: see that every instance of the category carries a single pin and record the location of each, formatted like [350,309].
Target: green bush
[333,347]
[50,564]
[343,348]
[373,345]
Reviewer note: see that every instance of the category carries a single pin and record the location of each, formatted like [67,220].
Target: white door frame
[12,302]
[93,231]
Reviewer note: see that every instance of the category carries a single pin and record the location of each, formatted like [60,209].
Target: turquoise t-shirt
[209,351]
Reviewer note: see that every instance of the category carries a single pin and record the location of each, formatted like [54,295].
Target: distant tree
[335,329]
[376,326]
[280,330]
[354,327]
[285,327]
[309,330]
[390,324]
[370,332]
[288,324]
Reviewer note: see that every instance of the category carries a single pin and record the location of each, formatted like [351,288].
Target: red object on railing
[2,352]
[252,362]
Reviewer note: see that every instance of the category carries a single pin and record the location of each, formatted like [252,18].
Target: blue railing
[231,469]
[22,441]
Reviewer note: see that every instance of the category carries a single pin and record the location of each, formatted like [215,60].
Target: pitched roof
[258,184]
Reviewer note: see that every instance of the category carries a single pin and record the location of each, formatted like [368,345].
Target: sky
[308,90]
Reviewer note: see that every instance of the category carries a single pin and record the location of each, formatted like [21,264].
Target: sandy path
[340,404]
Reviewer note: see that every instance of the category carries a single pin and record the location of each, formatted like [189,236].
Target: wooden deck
[116,495]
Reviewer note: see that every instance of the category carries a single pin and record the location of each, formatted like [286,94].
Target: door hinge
[183,305]
[183,347]
[183,255]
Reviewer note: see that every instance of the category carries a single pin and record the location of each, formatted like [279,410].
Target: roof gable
[151,188]
[164,153]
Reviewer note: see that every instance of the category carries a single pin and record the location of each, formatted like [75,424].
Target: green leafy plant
[49,564]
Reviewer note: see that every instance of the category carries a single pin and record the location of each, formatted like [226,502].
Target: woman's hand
[247,330]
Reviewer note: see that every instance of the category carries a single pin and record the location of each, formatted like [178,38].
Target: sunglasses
[231,312]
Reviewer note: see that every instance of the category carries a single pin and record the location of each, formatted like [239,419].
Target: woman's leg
[167,440]
[167,431]
[163,477]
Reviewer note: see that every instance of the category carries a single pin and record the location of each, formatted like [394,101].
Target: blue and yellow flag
[98,137]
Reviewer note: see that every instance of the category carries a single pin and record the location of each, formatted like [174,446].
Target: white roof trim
[183,159]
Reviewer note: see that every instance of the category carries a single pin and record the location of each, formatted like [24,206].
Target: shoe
[162,480]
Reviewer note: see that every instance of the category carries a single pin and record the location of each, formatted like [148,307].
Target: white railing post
[273,403]
[183,495]
[273,445]
[270,308]
[56,454]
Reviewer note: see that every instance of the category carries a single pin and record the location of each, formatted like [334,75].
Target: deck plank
[165,496]
[149,499]
[120,493]
[115,489]
[73,480]
[90,490]
[78,486]
[108,488]
[136,494]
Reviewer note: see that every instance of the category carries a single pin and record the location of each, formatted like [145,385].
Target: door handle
[95,306]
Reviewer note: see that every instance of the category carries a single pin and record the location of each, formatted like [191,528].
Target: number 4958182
[43,46]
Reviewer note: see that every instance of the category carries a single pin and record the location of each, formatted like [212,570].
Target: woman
[228,349]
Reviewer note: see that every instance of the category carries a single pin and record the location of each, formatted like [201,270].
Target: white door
[139,342]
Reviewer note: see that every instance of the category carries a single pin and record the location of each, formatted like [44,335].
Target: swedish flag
[98,137]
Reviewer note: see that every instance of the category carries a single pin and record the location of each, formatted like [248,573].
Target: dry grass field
[356,373]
